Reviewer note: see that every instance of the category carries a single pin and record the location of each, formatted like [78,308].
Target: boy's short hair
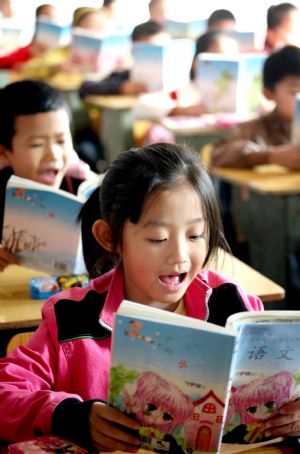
[219,15]
[26,97]
[280,64]
[207,39]
[146,30]
[276,14]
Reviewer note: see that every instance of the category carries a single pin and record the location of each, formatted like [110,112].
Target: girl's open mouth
[172,280]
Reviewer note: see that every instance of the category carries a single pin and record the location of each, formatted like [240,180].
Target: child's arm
[287,424]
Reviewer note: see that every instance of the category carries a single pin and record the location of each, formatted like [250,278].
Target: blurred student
[221,19]
[47,11]
[158,10]
[7,9]
[283,26]
[35,141]
[267,139]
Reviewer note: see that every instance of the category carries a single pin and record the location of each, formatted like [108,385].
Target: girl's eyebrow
[155,223]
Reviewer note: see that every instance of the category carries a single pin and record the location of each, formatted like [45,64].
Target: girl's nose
[178,252]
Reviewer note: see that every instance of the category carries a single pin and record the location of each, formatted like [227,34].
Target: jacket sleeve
[239,150]
[29,389]
[111,85]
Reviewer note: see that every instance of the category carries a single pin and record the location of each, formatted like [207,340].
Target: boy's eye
[251,410]
[36,145]
[61,141]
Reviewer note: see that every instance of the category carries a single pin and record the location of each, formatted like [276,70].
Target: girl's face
[166,249]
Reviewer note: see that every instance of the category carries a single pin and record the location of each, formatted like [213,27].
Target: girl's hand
[112,430]
[6,258]
[287,423]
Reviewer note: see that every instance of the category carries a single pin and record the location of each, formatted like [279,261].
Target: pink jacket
[69,354]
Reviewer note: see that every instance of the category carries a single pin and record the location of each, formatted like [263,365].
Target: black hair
[108,2]
[280,64]
[39,9]
[26,97]
[134,175]
[146,30]
[276,14]
[219,15]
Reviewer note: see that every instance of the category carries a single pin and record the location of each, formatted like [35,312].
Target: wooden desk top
[248,278]
[17,309]
[114,102]
[268,179]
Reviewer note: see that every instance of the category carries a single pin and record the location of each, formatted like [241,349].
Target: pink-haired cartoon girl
[160,406]
[255,403]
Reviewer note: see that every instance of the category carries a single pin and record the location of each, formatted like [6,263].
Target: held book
[171,373]
[51,34]
[40,227]
[192,384]
[295,129]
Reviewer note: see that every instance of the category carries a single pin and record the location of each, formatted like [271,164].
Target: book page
[228,448]
[262,317]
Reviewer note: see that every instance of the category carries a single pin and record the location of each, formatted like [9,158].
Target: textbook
[51,35]
[249,41]
[45,444]
[163,67]
[265,371]
[230,83]
[172,374]
[295,128]
[191,29]
[100,54]
[40,227]
[182,378]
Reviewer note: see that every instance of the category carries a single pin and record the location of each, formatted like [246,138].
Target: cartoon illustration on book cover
[36,225]
[171,386]
[267,377]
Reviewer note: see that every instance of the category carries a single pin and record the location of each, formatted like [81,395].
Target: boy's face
[284,95]
[41,147]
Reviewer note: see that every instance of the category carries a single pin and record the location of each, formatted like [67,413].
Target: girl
[157,215]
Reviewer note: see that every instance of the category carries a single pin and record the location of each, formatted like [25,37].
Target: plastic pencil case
[45,286]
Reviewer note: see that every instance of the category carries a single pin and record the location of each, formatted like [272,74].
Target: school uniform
[49,385]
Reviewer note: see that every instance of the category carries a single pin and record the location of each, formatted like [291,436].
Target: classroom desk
[18,310]
[265,206]
[116,125]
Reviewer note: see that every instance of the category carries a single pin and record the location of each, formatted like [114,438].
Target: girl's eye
[251,410]
[196,237]
[61,142]
[157,241]
[36,145]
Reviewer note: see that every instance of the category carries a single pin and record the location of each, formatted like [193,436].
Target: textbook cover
[163,67]
[265,372]
[40,227]
[192,29]
[51,35]
[10,38]
[99,54]
[249,41]
[230,84]
[171,373]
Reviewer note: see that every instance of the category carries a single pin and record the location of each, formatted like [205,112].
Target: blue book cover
[50,34]
[171,373]
[191,29]
[295,130]
[265,372]
[40,227]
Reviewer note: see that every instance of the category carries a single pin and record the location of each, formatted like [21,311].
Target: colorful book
[45,444]
[163,67]
[192,29]
[295,129]
[99,54]
[249,41]
[51,35]
[10,38]
[265,372]
[230,84]
[40,227]
[172,374]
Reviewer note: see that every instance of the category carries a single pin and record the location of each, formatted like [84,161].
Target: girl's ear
[102,233]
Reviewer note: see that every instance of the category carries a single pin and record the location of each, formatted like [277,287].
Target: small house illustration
[202,431]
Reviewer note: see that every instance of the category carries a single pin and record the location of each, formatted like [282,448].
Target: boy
[35,140]
[266,139]
[221,19]
[283,22]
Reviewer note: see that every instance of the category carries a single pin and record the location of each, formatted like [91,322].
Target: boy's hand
[287,423]
[285,155]
[188,111]
[112,430]
[133,88]
[6,258]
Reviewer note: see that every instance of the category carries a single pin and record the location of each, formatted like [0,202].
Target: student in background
[266,139]
[283,26]
[156,202]
[47,11]
[221,19]
[7,9]
[158,11]
[35,141]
